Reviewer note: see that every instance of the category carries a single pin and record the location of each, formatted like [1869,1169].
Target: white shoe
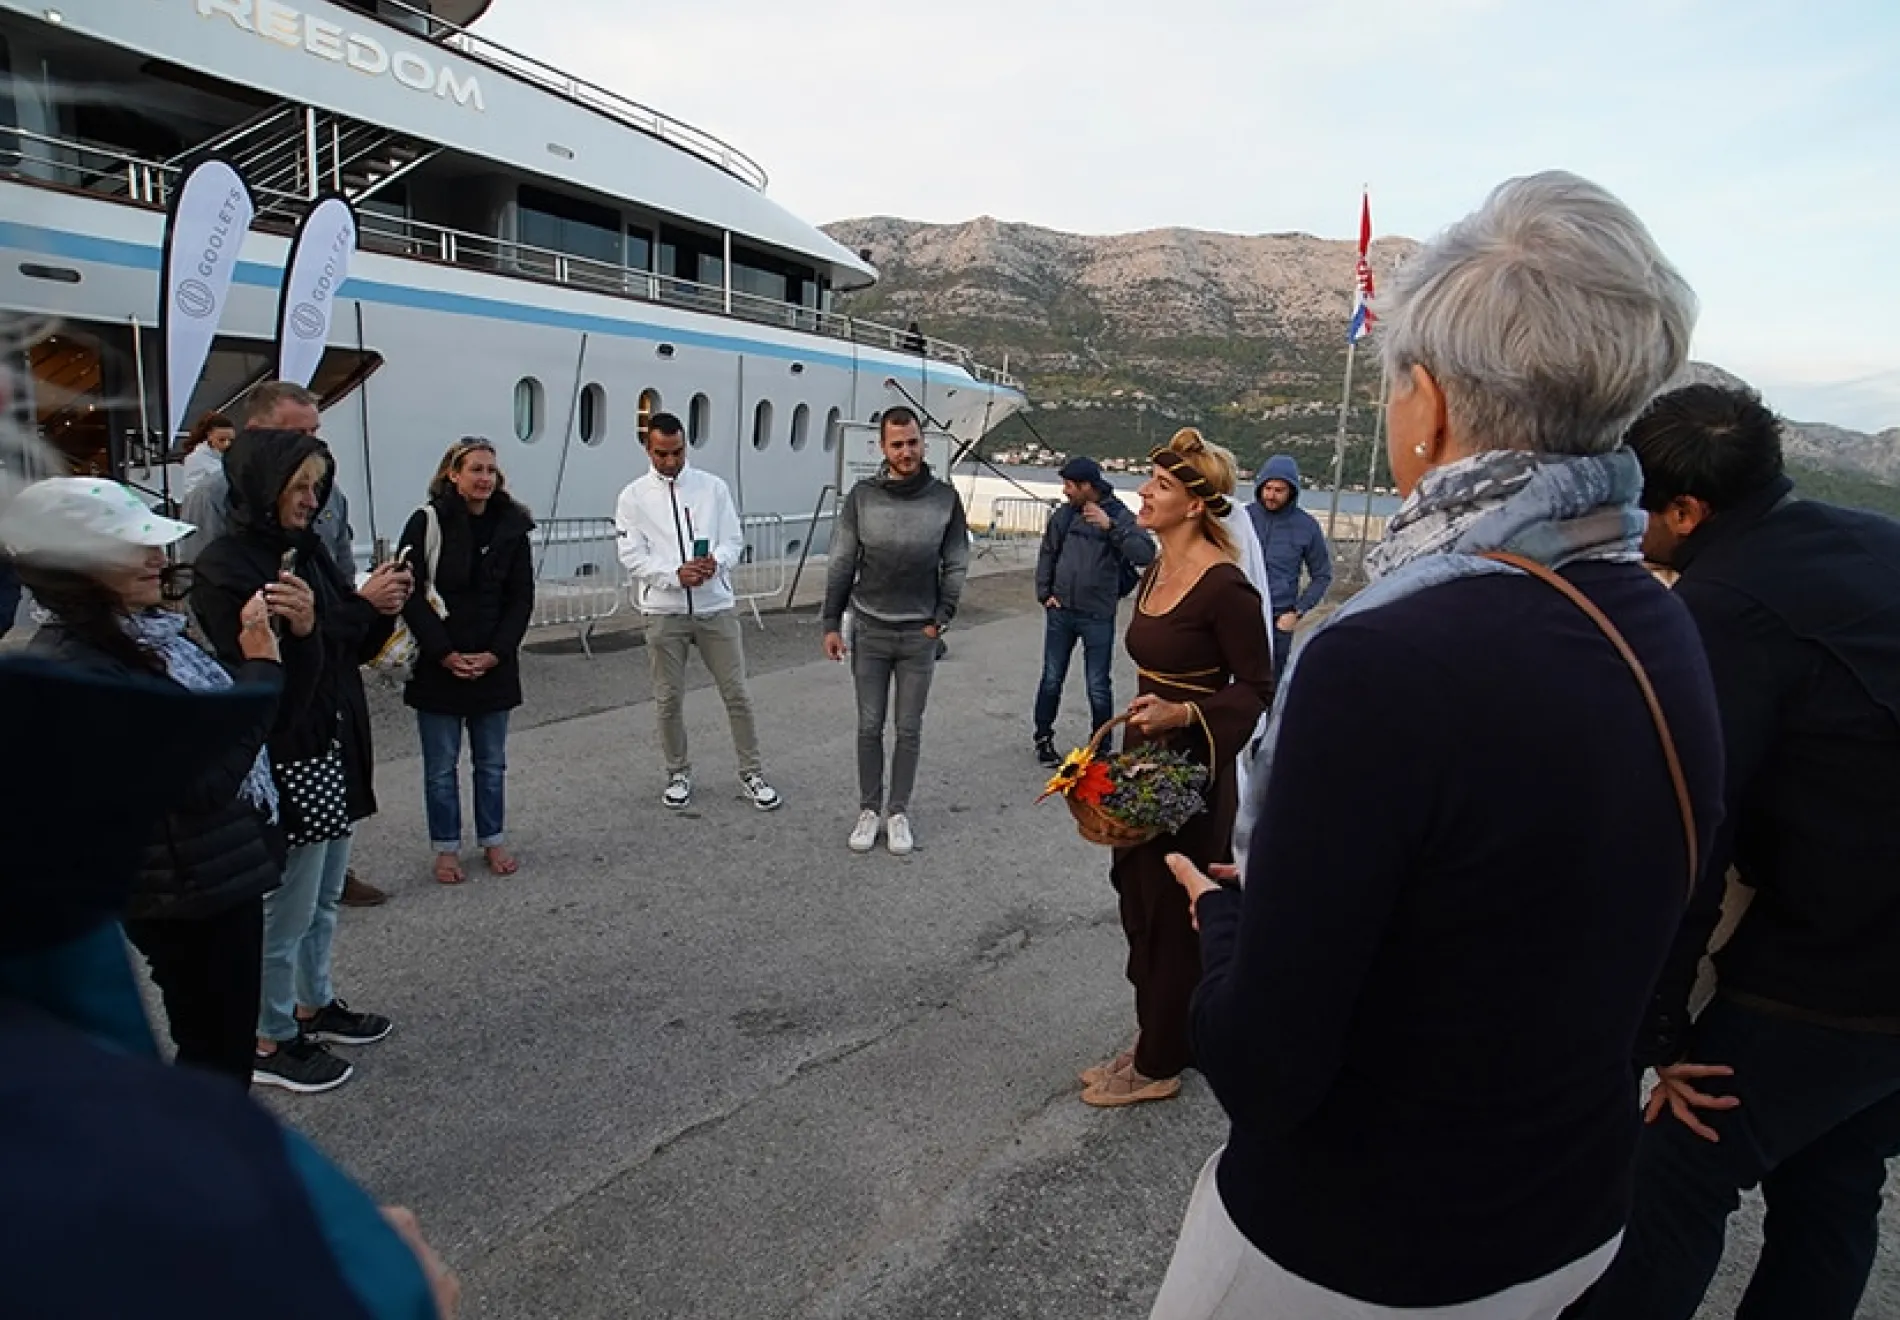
[679,790]
[864,833]
[897,835]
[761,794]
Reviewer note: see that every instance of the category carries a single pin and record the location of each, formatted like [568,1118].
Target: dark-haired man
[1790,1079]
[898,559]
[680,537]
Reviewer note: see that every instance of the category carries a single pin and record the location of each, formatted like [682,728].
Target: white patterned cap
[66,517]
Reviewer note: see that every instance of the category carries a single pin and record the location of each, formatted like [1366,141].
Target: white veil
[1254,565]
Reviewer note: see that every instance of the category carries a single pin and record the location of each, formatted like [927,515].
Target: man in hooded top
[1290,541]
[133,1188]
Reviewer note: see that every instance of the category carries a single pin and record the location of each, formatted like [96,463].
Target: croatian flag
[1362,317]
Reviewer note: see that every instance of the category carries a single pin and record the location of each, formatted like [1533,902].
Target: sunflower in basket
[1129,798]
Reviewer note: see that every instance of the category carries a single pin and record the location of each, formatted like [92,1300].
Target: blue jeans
[1060,631]
[441,785]
[299,927]
[1819,1119]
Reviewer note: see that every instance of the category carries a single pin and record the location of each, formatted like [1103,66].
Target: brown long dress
[1210,649]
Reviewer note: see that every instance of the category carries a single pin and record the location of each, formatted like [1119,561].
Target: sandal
[448,869]
[500,860]
[1130,1088]
[1120,1063]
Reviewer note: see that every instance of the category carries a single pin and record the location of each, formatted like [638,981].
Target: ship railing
[581,92]
[37,158]
[578,578]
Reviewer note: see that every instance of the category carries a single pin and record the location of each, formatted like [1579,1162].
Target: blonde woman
[1199,642]
[469,674]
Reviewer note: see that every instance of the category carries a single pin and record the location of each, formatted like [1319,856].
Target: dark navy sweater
[1467,872]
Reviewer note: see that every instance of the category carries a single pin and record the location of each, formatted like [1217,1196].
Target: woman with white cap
[94,557]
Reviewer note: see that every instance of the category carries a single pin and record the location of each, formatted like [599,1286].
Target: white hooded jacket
[658,521]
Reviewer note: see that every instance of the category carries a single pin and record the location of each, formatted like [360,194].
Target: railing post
[311,185]
[726,267]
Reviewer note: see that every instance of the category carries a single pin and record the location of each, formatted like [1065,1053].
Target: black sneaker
[335,1023]
[300,1065]
[1046,751]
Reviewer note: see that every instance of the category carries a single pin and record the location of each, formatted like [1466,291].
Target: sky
[1758,139]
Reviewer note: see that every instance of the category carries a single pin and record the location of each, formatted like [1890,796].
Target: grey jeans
[880,657]
[720,639]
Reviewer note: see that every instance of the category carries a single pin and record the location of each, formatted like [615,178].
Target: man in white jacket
[679,539]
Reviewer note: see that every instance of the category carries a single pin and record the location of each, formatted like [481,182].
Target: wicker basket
[1097,825]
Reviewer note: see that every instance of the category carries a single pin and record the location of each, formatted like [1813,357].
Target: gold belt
[1182,681]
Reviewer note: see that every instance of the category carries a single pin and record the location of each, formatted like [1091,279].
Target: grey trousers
[720,639]
[883,657]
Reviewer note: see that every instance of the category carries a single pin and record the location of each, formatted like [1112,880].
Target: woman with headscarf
[1487,786]
[94,557]
[470,543]
[1199,643]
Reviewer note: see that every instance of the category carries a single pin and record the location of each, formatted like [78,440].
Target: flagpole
[1339,442]
[1372,476]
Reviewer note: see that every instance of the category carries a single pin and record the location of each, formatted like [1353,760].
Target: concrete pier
[711,1064]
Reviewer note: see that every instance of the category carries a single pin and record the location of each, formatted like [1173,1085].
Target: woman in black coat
[470,545]
[94,558]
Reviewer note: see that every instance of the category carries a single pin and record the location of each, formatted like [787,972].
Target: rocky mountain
[1119,339]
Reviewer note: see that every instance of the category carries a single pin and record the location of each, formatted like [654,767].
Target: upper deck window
[567,224]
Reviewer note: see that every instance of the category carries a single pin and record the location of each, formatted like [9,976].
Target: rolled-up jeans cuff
[442,847]
[494,842]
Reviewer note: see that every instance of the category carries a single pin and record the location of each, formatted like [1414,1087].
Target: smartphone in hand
[701,547]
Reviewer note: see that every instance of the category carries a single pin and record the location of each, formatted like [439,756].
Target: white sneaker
[897,835]
[679,790]
[864,833]
[762,794]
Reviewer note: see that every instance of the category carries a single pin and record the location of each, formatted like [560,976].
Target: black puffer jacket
[322,671]
[213,849]
[489,594]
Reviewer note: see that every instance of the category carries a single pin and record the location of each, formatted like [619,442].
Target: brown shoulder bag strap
[1584,603]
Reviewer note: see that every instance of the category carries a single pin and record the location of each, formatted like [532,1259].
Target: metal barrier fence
[762,570]
[578,580]
[1015,522]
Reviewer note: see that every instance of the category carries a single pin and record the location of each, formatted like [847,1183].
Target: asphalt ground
[710,1064]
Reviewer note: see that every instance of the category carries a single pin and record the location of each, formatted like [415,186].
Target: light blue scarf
[1555,510]
[163,634]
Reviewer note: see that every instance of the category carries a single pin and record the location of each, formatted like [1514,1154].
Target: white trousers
[1217,1274]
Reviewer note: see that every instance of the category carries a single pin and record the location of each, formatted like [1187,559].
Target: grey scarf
[1555,510]
[163,634]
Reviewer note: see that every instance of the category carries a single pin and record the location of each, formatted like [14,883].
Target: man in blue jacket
[1092,555]
[1290,539]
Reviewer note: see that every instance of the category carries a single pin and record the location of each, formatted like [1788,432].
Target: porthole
[698,420]
[762,424]
[593,415]
[834,423]
[649,404]
[530,408]
[801,426]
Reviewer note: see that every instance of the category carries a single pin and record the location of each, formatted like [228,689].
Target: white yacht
[543,262]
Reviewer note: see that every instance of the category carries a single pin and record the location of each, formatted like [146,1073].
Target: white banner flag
[319,263]
[210,214]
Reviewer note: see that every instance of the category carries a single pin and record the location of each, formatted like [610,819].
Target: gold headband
[1198,486]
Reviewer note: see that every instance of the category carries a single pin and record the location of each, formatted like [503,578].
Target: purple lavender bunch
[1156,789]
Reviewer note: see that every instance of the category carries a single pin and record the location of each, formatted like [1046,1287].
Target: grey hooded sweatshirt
[899,553]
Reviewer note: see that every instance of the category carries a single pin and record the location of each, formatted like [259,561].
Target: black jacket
[212,850]
[1798,604]
[490,598]
[1081,565]
[1420,1022]
[325,700]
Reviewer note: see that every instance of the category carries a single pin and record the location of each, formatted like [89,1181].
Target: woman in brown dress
[1200,645]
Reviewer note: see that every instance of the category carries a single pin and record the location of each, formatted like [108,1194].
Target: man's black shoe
[1046,750]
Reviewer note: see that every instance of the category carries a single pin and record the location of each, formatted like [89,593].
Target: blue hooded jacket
[1289,541]
[133,1188]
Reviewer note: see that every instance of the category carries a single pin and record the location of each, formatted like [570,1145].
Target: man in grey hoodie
[898,558]
[1290,540]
